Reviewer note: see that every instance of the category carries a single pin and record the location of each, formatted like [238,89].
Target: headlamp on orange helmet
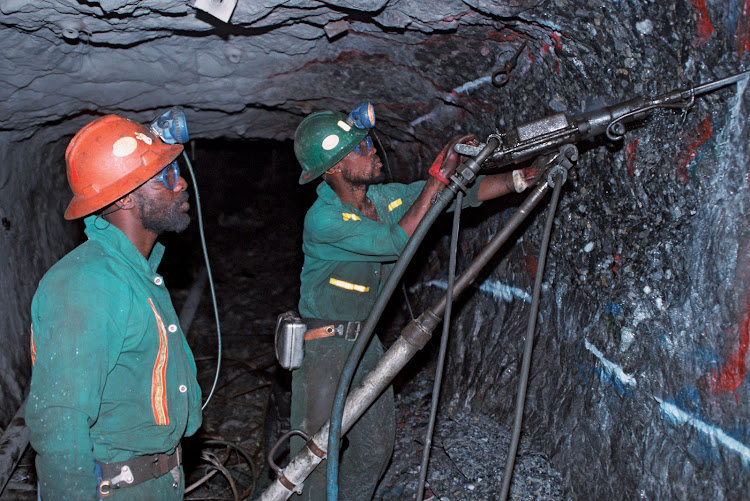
[109,158]
[171,126]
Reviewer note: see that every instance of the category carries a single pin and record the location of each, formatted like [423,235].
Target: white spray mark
[504,292]
[610,367]
[494,288]
[468,86]
[737,108]
[715,433]
[421,119]
[735,114]
[551,25]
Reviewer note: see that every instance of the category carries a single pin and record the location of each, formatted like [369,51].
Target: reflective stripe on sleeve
[394,204]
[348,286]
[350,217]
[32,346]
[159,375]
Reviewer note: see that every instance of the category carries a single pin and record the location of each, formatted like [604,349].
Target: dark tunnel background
[229,175]
[638,384]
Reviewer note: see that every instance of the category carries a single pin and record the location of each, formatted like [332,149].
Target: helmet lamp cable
[102,214]
[210,277]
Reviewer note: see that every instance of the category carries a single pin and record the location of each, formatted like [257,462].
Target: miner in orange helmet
[113,388]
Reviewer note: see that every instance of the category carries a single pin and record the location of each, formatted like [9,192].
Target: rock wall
[639,377]
[34,235]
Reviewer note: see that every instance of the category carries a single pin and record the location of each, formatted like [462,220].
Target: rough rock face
[639,377]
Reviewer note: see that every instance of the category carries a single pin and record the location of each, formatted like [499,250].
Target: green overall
[113,376]
[348,257]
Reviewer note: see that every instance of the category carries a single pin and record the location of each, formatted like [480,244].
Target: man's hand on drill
[445,163]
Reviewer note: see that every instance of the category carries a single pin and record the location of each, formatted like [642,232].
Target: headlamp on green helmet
[322,139]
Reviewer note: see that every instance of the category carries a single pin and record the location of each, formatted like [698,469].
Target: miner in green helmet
[353,234]
[322,139]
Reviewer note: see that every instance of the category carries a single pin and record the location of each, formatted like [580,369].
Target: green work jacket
[348,256]
[113,376]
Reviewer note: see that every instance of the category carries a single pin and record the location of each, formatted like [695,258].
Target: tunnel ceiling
[257,75]
[426,65]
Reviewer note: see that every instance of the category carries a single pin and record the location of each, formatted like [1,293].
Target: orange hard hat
[109,158]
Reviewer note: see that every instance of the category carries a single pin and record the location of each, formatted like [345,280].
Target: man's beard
[362,181]
[159,219]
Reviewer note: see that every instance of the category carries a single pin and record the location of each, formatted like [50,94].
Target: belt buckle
[126,475]
[105,489]
[352,331]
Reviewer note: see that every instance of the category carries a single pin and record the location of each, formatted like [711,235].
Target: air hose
[559,180]
[384,156]
[468,170]
[443,347]
[210,277]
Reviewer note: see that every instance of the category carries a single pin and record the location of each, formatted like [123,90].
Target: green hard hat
[322,139]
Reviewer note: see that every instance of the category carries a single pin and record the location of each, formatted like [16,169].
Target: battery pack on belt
[136,470]
[318,328]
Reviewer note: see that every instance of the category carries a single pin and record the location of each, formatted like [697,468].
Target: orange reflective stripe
[159,375]
[394,204]
[348,286]
[350,217]
[32,348]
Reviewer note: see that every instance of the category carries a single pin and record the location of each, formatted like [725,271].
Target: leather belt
[137,470]
[320,328]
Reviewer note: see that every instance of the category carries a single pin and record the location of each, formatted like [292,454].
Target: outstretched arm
[445,164]
[517,181]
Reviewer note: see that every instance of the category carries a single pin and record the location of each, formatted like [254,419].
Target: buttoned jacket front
[113,376]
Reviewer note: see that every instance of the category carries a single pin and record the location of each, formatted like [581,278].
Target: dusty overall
[367,447]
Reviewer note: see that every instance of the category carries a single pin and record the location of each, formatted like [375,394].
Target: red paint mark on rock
[702,133]
[704,27]
[617,260]
[742,30]
[547,49]
[630,155]
[505,36]
[557,40]
[734,372]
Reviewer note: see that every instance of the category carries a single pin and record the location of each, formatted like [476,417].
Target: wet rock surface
[638,383]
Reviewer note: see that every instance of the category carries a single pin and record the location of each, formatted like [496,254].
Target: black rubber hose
[442,201]
[443,348]
[524,376]
[352,361]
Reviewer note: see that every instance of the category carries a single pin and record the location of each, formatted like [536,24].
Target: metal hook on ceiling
[506,68]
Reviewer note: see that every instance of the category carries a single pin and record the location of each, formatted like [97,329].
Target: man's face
[160,208]
[359,170]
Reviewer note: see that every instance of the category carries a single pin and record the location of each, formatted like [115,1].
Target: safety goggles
[364,149]
[169,175]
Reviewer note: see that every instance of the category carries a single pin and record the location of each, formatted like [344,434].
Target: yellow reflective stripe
[350,217]
[159,374]
[33,347]
[348,286]
[394,204]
